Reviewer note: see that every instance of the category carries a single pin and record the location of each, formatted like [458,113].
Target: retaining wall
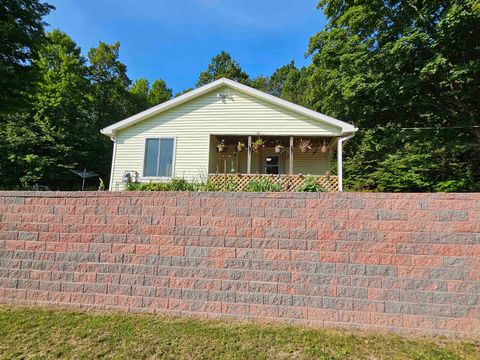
[395,262]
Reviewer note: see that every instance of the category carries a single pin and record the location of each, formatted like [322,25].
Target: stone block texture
[393,262]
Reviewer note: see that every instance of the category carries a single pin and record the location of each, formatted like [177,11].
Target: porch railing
[289,183]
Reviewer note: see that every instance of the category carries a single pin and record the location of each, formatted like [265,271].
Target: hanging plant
[222,147]
[324,149]
[240,146]
[304,145]
[278,148]
[257,144]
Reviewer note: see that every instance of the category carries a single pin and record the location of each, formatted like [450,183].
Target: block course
[392,262]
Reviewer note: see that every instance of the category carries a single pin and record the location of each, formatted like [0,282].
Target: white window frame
[174,155]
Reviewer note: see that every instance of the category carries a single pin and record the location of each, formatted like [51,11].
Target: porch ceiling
[272,141]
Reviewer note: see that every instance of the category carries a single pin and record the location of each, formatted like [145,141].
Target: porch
[286,160]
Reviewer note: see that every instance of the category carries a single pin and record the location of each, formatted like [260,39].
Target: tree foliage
[52,135]
[21,34]
[395,66]
[70,98]
[222,65]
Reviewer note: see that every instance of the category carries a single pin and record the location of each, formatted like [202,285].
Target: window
[158,157]
[271,166]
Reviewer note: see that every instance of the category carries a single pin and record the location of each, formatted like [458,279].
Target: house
[201,134]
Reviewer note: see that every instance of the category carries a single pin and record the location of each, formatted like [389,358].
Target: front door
[272,164]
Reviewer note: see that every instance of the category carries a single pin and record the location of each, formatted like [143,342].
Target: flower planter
[240,147]
[324,148]
[304,145]
[221,147]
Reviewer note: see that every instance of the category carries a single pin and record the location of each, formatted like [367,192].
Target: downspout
[110,187]
[340,142]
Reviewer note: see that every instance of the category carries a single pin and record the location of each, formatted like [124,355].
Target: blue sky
[175,39]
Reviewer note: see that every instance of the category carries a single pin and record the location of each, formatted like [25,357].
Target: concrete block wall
[393,262]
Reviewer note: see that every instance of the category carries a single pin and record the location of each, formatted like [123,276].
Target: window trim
[174,154]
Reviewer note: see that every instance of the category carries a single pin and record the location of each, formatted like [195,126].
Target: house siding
[193,122]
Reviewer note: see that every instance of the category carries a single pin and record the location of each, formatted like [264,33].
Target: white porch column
[340,163]
[340,159]
[249,155]
[290,156]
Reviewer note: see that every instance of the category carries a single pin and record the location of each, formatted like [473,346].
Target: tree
[111,100]
[259,83]
[279,77]
[139,91]
[183,92]
[54,135]
[401,65]
[287,82]
[222,65]
[21,34]
[159,93]
[144,96]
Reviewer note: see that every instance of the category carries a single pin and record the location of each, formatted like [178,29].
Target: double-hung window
[158,157]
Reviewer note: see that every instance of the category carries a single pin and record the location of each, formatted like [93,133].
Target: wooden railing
[289,182]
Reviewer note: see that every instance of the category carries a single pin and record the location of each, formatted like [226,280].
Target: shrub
[310,186]
[263,185]
[180,185]
[150,186]
[173,185]
[229,185]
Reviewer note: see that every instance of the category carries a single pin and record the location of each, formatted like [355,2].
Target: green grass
[44,333]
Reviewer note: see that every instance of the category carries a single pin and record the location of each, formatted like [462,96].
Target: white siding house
[179,138]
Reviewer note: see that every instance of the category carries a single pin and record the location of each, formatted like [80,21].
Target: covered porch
[287,160]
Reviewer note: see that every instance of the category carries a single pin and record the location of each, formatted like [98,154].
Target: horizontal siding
[310,163]
[192,124]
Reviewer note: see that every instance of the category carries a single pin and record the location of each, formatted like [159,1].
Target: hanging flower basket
[222,147]
[304,145]
[324,149]
[257,144]
[240,146]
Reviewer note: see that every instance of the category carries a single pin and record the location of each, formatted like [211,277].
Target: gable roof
[112,129]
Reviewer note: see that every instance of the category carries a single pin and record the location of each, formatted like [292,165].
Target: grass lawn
[44,333]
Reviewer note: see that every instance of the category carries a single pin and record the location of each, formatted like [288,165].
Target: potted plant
[222,147]
[324,148]
[304,145]
[257,144]
[278,148]
[240,146]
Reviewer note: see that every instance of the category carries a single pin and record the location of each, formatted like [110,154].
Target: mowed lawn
[44,333]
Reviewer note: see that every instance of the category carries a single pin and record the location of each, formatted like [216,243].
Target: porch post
[290,157]
[249,156]
[340,163]
[341,140]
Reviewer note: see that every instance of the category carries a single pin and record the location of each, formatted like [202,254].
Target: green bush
[230,185]
[180,185]
[263,185]
[173,185]
[310,186]
[150,186]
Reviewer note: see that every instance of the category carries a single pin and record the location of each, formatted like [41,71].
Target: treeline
[407,73]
